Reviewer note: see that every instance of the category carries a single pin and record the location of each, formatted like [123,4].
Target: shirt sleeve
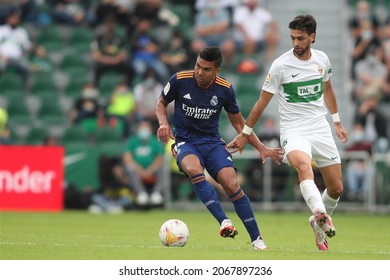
[231,104]
[169,92]
[273,79]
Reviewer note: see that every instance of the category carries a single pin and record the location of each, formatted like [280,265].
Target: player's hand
[276,154]
[341,132]
[238,143]
[165,133]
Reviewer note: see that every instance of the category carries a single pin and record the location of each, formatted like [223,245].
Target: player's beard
[301,51]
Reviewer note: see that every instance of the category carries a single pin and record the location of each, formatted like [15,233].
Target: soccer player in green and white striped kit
[301,80]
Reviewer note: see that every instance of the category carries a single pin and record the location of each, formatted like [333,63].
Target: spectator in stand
[362,14]
[212,28]
[120,9]
[86,109]
[115,194]
[121,107]
[357,168]
[364,36]
[109,52]
[146,52]
[374,124]
[143,160]
[175,55]
[146,94]
[72,12]
[370,75]
[15,45]
[255,29]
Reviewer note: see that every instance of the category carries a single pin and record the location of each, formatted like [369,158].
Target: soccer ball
[174,233]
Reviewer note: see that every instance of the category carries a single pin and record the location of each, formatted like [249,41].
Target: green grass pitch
[79,235]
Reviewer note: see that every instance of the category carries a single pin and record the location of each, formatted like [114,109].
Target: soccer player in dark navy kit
[199,97]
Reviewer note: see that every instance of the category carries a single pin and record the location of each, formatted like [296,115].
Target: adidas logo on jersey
[187,96]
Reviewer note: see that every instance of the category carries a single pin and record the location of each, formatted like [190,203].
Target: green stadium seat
[108,82]
[51,38]
[44,86]
[50,112]
[10,80]
[18,112]
[75,134]
[109,134]
[36,135]
[80,40]
[74,65]
[75,86]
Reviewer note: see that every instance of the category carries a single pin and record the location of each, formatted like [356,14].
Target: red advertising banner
[31,178]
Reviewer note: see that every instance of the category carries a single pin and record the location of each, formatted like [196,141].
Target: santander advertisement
[31,178]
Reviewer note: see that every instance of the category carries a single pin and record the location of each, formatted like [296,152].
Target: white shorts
[319,145]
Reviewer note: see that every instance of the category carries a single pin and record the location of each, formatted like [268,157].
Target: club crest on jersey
[320,69]
[166,88]
[214,101]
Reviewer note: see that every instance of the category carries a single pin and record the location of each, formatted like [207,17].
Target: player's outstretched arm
[164,132]
[242,138]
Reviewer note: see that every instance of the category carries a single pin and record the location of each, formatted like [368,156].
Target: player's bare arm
[275,154]
[164,131]
[331,103]
[239,142]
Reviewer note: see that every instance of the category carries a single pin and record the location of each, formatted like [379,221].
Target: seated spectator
[373,123]
[365,39]
[255,29]
[120,9]
[115,194]
[15,46]
[386,48]
[212,28]
[175,55]
[109,53]
[40,61]
[143,160]
[357,168]
[146,53]
[370,75]
[72,12]
[86,109]
[121,107]
[146,94]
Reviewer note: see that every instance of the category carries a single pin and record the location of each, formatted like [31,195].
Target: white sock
[312,195]
[329,202]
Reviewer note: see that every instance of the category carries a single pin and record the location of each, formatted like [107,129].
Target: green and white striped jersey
[299,86]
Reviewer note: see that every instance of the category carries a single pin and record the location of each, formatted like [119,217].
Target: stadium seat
[110,148]
[80,40]
[108,82]
[36,135]
[18,112]
[75,134]
[44,86]
[50,112]
[109,134]
[75,86]
[10,80]
[73,65]
[51,38]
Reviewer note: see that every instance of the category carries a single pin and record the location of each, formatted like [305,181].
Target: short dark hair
[304,23]
[212,54]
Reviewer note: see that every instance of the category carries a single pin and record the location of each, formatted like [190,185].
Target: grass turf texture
[78,235]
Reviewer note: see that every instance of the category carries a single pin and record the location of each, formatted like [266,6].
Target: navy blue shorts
[212,156]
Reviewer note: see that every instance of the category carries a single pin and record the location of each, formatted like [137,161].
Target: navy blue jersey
[197,110]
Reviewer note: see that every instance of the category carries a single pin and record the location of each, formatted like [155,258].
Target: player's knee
[303,169]
[230,186]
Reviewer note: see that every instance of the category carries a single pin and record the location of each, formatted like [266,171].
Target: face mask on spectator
[144,133]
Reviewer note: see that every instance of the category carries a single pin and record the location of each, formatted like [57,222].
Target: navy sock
[244,210]
[208,196]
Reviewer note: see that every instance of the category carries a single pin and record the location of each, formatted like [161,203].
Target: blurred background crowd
[85,74]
